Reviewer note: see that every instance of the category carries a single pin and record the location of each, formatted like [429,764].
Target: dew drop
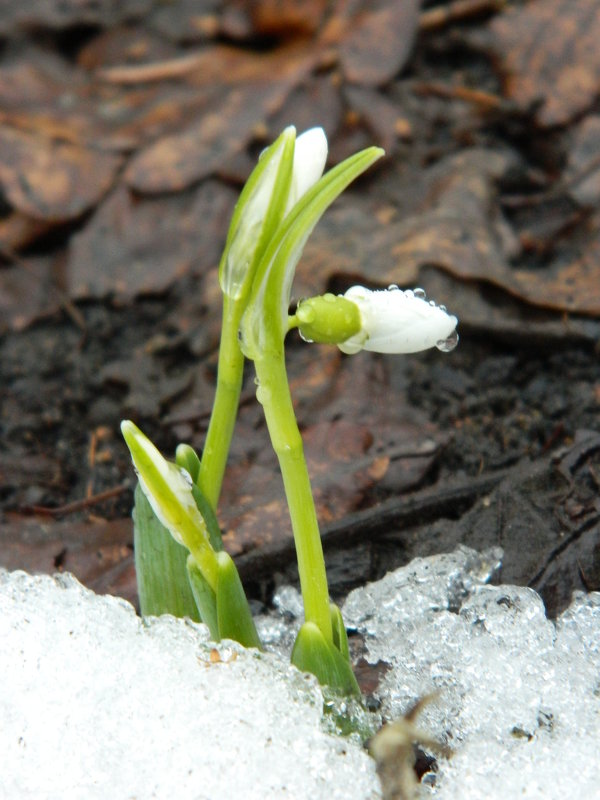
[304,337]
[306,314]
[420,293]
[329,298]
[393,287]
[443,308]
[446,345]
[263,395]
[432,303]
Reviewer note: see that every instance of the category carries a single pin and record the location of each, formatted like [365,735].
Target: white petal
[310,155]
[396,321]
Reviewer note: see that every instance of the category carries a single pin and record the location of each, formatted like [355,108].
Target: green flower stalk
[264,327]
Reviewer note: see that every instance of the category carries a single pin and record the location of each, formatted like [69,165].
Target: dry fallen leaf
[52,180]
[374,40]
[134,246]
[548,53]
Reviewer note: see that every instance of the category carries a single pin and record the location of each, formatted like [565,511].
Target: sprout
[168,489]
[396,321]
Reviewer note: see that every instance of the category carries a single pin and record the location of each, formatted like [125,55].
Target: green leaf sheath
[312,653]
[205,597]
[233,612]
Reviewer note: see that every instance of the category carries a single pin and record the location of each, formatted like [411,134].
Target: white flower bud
[396,321]
[310,155]
[168,488]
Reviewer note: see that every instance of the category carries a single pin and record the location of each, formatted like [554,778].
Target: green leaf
[257,214]
[204,596]
[210,518]
[187,457]
[264,323]
[340,637]
[312,653]
[160,565]
[233,612]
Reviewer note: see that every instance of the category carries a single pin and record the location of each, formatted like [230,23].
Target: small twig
[474,96]
[156,71]
[458,11]
[79,505]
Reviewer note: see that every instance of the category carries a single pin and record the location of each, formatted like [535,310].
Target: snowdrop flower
[396,321]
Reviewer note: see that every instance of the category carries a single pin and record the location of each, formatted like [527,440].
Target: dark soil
[496,443]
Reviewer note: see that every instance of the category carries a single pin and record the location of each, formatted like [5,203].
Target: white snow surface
[518,695]
[96,703]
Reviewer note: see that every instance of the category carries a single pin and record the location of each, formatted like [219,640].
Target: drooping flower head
[397,321]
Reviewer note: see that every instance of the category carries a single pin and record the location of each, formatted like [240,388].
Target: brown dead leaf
[583,168]
[99,553]
[490,310]
[14,17]
[177,161]
[52,180]
[282,18]
[574,286]
[355,239]
[186,20]
[382,117]
[315,102]
[457,226]
[374,40]
[548,52]
[17,230]
[459,229]
[26,294]
[131,44]
[133,246]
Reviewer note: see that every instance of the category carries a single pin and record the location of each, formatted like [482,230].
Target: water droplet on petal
[443,308]
[393,287]
[420,293]
[329,298]
[446,345]
[409,293]
[432,303]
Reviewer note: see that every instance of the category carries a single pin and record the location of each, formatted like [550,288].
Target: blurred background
[126,132]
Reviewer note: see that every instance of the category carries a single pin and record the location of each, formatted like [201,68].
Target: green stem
[274,395]
[224,411]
